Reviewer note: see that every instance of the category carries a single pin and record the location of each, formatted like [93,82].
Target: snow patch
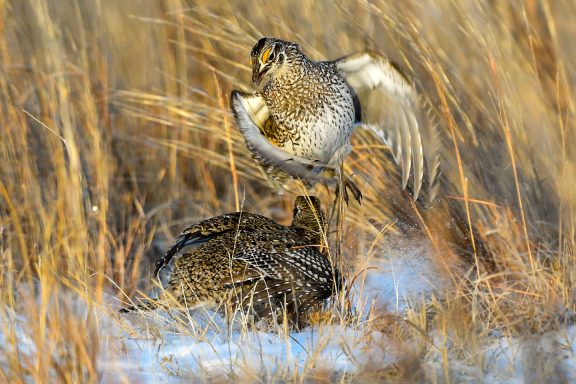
[400,277]
[233,352]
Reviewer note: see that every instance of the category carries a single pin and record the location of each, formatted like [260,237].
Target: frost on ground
[163,346]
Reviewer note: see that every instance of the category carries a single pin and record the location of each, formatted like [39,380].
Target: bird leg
[341,196]
[349,184]
[346,185]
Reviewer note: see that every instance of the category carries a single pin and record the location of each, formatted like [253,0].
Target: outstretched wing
[251,114]
[389,106]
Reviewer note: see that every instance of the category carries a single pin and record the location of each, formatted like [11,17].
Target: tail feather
[432,151]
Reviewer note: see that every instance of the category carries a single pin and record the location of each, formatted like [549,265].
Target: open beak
[257,72]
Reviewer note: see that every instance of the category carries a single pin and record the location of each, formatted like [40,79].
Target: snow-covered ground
[265,355]
[175,347]
[549,357]
[391,282]
[401,276]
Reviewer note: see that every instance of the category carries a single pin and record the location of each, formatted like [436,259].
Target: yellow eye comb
[266,54]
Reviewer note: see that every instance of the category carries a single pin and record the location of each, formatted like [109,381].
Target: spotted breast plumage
[300,124]
[250,261]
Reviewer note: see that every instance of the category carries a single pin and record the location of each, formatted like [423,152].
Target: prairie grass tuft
[116,133]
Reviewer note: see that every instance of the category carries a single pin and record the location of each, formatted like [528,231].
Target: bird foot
[349,185]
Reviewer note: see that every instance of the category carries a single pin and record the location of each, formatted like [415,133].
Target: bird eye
[268,55]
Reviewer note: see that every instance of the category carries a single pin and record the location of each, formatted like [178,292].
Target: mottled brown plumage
[301,122]
[249,260]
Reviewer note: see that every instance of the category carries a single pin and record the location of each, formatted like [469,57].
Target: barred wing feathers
[389,106]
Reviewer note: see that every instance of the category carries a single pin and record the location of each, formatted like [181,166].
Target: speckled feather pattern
[251,261]
[312,107]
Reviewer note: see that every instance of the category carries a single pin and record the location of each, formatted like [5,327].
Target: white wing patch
[256,109]
[390,109]
[251,113]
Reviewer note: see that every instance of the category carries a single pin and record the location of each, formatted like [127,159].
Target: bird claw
[349,185]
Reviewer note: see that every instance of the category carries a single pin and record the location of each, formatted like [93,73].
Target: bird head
[308,215]
[268,57]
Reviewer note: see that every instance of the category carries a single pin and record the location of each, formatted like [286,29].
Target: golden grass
[114,134]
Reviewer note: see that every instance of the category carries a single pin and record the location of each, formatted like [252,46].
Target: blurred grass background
[113,136]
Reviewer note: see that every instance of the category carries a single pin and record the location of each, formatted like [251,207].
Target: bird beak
[257,73]
[256,77]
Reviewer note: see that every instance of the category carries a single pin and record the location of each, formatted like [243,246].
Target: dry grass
[114,134]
